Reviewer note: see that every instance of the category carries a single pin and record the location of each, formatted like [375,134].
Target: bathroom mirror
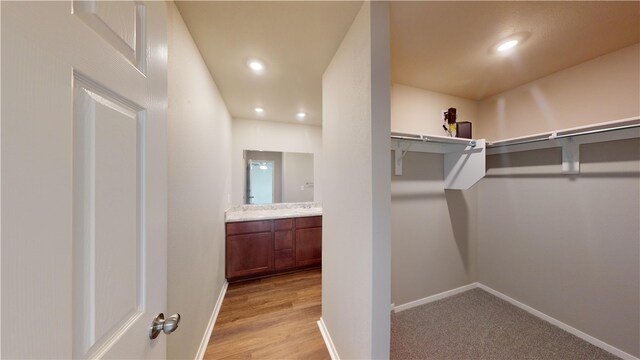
[278,177]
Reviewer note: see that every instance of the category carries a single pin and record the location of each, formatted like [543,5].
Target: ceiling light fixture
[259,110]
[301,115]
[509,44]
[256,65]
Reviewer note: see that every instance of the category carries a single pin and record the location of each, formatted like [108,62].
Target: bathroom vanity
[263,240]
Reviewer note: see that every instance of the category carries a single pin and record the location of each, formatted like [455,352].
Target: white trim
[212,321]
[584,336]
[327,340]
[435,297]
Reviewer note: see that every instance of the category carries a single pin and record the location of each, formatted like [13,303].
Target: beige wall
[432,230]
[433,234]
[419,111]
[355,180]
[604,89]
[568,246]
[297,173]
[273,136]
[199,186]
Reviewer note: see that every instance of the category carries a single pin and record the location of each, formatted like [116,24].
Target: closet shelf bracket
[570,156]
[464,159]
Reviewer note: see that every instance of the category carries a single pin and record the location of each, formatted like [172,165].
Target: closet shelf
[464,159]
[570,140]
[600,128]
[433,139]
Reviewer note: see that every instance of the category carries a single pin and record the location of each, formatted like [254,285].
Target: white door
[83,146]
[261,181]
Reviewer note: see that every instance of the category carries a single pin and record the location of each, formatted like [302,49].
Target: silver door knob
[167,325]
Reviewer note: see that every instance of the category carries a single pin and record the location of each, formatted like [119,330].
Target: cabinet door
[249,254]
[308,246]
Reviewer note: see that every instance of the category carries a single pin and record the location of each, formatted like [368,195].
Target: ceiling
[440,46]
[295,40]
[446,46]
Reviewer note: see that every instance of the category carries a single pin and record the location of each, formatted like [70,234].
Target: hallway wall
[199,189]
[356,201]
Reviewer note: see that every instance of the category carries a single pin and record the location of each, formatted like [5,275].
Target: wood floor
[271,318]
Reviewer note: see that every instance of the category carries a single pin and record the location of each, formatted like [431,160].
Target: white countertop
[272,211]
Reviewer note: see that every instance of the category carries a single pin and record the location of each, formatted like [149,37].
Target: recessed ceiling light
[509,44]
[256,65]
[504,46]
[259,110]
[301,115]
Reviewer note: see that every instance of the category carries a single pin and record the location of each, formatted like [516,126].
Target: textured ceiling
[295,40]
[438,46]
[446,46]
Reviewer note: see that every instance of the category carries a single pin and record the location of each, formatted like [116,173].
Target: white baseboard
[435,297]
[327,340]
[212,322]
[570,329]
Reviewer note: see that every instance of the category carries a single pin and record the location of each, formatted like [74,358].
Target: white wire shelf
[465,158]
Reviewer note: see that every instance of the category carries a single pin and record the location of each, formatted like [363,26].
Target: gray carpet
[478,325]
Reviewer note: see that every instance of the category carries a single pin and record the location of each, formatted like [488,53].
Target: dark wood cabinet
[308,239]
[283,244]
[285,259]
[266,247]
[249,227]
[249,254]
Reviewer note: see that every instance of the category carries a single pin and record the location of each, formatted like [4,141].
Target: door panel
[120,23]
[83,179]
[107,202]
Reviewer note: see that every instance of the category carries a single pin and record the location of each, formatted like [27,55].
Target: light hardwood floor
[270,318]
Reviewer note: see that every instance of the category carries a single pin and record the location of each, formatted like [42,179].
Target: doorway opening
[260,182]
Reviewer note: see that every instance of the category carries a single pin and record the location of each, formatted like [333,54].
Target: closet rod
[433,138]
[555,135]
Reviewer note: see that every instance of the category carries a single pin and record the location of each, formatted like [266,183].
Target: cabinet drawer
[284,240]
[284,224]
[284,259]
[308,222]
[248,227]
